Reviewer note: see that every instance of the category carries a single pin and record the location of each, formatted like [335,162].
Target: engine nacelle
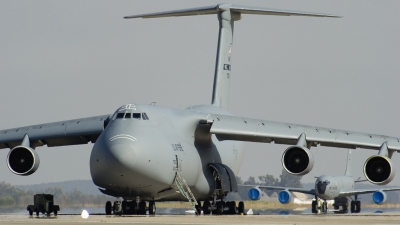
[255,194]
[379,170]
[379,197]
[23,160]
[284,197]
[297,160]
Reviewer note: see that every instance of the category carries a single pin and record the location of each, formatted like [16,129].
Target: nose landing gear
[319,206]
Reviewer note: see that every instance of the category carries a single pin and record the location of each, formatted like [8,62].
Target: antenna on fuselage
[227,14]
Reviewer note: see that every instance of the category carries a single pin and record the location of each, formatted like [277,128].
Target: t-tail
[227,14]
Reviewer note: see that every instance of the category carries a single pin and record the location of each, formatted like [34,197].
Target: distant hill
[85,186]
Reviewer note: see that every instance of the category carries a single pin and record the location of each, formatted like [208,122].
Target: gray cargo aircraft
[329,187]
[151,153]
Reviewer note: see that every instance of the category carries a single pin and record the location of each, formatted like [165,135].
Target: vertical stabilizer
[227,14]
[222,73]
[348,166]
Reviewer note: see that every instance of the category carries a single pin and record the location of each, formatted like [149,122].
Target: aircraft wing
[365,191]
[70,132]
[255,130]
[301,190]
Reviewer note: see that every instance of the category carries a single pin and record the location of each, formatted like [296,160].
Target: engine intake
[297,160]
[284,197]
[254,194]
[379,197]
[23,160]
[378,170]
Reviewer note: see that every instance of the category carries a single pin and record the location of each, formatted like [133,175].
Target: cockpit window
[136,115]
[128,115]
[145,117]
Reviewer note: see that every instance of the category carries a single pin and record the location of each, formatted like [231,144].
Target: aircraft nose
[321,187]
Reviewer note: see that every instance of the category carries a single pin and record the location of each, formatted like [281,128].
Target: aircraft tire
[352,207]
[358,206]
[142,208]
[220,208]
[152,208]
[232,207]
[118,208]
[324,207]
[345,209]
[108,208]
[314,206]
[206,208]
[30,212]
[123,206]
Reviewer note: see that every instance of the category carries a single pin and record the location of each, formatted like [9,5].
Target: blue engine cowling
[284,197]
[379,197]
[255,194]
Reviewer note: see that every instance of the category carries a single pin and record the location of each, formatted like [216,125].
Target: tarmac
[346,219]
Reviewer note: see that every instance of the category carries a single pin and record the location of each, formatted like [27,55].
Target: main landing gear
[319,206]
[341,205]
[221,208]
[124,207]
[355,206]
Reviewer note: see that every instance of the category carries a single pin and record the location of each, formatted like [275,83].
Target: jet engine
[297,160]
[284,197]
[378,169]
[379,197]
[255,194]
[23,160]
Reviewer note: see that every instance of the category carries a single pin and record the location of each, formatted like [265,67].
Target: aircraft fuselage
[142,146]
[328,187]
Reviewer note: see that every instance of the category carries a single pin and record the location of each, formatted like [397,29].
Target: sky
[63,60]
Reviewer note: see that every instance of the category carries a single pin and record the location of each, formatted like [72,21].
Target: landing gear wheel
[142,208]
[206,208]
[241,208]
[220,208]
[117,208]
[30,212]
[198,208]
[345,210]
[355,207]
[152,208]
[55,212]
[314,206]
[37,212]
[352,207]
[232,207]
[123,207]
[108,208]
[324,207]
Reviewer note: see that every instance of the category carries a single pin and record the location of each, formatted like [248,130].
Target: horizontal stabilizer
[224,7]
